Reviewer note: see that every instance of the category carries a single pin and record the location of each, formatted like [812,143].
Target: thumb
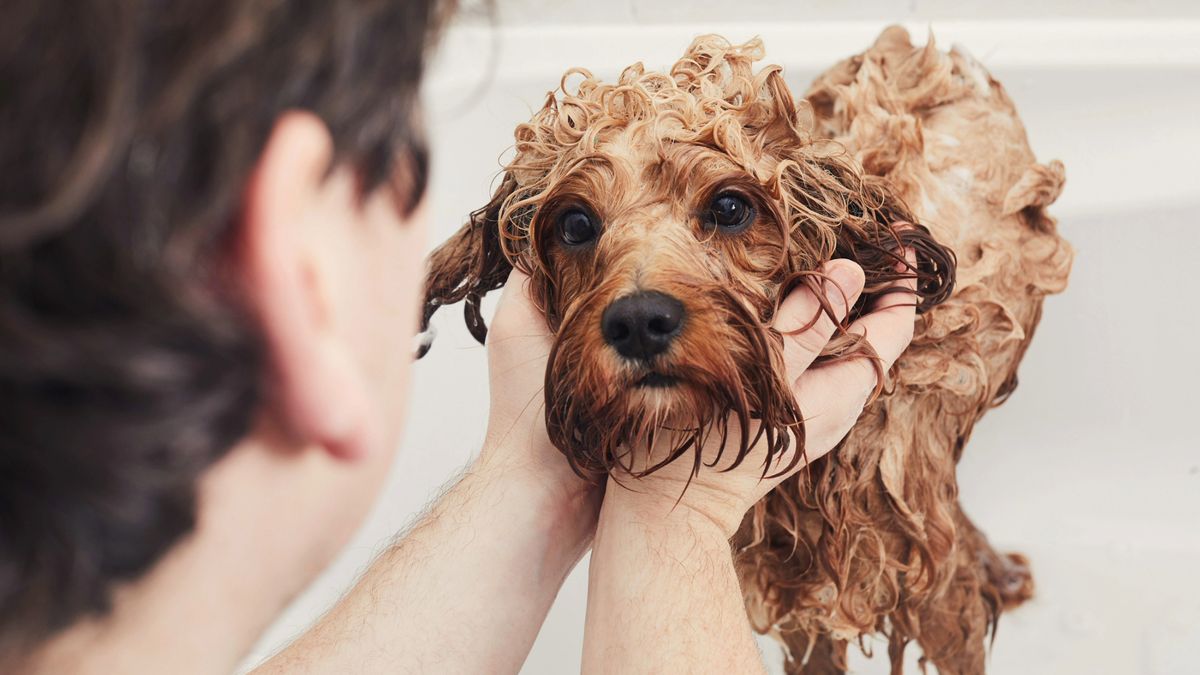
[516,313]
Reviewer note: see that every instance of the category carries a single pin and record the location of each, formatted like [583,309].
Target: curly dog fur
[899,146]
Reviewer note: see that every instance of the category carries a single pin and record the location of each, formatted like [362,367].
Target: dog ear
[878,226]
[468,266]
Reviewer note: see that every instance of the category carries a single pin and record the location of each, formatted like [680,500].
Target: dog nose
[642,325]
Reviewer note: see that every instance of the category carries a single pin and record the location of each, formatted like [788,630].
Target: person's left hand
[518,345]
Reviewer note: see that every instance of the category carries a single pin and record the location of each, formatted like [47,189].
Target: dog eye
[576,227]
[730,212]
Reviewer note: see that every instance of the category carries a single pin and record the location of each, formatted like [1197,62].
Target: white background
[1092,468]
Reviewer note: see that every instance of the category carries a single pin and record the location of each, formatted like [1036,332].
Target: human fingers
[832,397]
[888,326]
[806,329]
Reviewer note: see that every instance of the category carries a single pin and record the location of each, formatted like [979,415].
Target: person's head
[210,246]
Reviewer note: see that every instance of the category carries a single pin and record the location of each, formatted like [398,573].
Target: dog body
[662,219]
[874,539]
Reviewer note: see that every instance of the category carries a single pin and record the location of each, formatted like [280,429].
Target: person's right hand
[830,398]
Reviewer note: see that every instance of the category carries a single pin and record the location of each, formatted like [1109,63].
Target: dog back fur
[872,538]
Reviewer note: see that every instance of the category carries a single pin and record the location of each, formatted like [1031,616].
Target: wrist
[521,445]
[663,574]
[655,504]
[563,507]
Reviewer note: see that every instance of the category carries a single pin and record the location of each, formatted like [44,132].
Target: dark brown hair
[128,130]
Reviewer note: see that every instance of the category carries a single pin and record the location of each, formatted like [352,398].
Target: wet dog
[663,217]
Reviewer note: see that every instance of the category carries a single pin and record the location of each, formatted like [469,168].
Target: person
[211,230]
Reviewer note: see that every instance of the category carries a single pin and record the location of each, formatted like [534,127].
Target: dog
[663,217]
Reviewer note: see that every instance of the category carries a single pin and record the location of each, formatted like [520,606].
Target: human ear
[295,211]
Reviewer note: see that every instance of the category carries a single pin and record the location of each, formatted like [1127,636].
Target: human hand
[518,344]
[831,398]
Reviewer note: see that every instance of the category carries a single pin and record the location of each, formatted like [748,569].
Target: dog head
[661,219]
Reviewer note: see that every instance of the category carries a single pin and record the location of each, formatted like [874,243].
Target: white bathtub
[1092,468]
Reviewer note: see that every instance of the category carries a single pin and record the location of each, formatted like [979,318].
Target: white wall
[573,12]
[1093,468]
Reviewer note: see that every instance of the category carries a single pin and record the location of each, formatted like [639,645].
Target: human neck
[200,609]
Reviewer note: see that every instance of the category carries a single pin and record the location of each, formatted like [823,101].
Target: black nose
[642,325]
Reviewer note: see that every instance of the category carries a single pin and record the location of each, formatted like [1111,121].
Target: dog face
[662,219]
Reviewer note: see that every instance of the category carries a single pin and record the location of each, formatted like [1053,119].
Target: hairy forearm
[465,590]
[663,595]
